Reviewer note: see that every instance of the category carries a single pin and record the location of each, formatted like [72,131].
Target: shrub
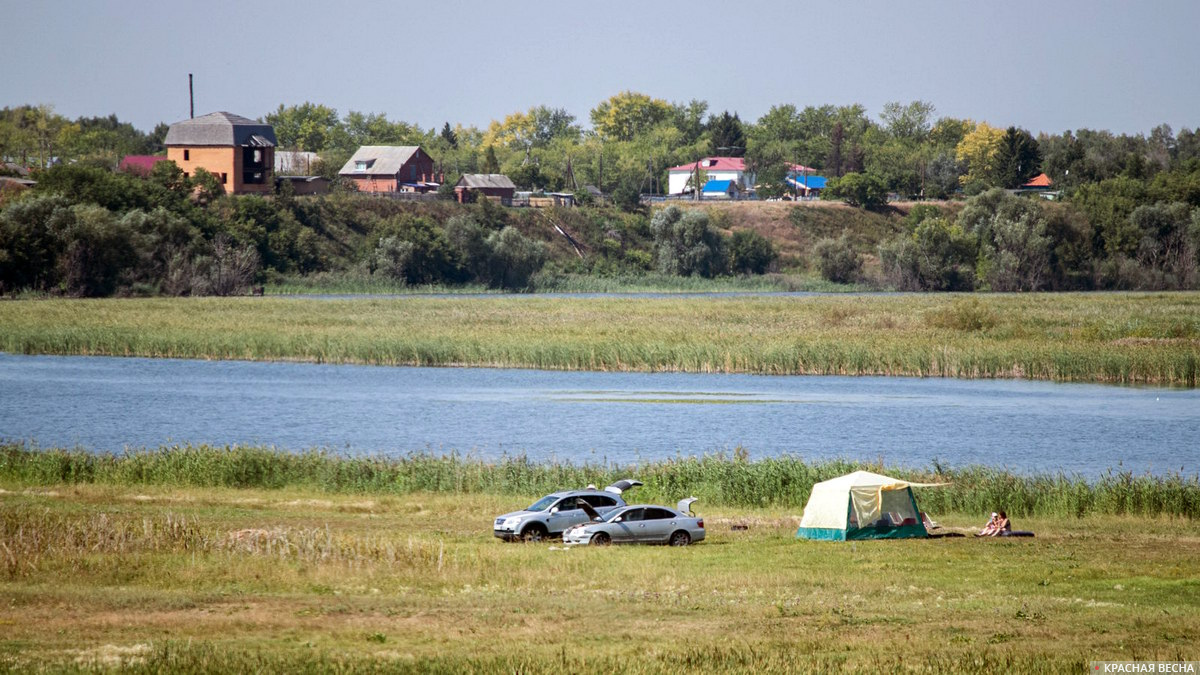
[837,260]
[858,189]
[98,250]
[1018,256]
[514,258]
[469,240]
[938,256]
[686,244]
[750,253]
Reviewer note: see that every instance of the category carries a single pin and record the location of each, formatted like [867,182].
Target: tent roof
[860,479]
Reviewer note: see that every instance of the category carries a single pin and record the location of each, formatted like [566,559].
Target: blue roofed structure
[806,182]
[719,188]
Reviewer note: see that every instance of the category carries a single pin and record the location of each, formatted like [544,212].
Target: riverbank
[1101,337]
[717,479]
[159,576]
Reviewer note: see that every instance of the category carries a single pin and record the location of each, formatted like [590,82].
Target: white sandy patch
[112,656]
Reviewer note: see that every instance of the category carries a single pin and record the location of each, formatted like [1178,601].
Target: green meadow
[1149,338]
[251,560]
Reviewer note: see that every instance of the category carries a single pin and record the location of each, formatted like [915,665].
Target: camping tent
[862,505]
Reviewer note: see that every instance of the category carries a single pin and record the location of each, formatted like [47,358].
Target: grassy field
[1120,338]
[296,579]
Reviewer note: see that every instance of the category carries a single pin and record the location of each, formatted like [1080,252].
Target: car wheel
[534,533]
[601,539]
[681,538]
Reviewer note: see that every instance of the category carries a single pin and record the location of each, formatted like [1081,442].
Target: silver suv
[554,513]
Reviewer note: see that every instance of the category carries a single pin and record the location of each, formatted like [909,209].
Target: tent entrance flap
[870,505]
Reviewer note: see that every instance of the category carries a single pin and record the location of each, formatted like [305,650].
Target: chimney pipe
[191,99]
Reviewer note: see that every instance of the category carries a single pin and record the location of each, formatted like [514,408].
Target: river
[107,404]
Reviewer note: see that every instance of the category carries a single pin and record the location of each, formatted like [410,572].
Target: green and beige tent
[862,505]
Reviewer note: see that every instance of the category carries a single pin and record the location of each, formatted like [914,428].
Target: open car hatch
[685,506]
[592,514]
[622,485]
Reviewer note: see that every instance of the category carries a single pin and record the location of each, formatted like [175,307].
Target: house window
[187,155]
[224,178]
[360,165]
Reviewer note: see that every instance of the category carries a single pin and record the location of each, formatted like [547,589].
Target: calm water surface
[106,404]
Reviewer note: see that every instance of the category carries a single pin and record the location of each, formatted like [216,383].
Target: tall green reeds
[1118,338]
[720,480]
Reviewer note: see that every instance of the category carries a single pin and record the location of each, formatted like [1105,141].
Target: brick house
[391,168]
[238,151]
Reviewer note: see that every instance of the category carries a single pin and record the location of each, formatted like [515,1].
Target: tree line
[632,139]
[1126,218]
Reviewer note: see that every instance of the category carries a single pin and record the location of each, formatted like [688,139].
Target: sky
[1043,66]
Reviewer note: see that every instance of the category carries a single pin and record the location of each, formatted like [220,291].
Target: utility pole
[191,99]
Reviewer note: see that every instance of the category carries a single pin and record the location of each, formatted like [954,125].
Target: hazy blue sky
[1045,66]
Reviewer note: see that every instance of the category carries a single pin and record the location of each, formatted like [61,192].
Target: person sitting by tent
[1003,527]
[989,530]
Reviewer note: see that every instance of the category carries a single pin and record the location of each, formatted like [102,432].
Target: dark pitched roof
[221,128]
[485,180]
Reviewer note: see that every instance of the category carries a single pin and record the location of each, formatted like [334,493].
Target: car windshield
[543,503]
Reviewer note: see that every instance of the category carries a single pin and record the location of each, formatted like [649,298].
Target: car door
[565,514]
[657,525]
[626,525]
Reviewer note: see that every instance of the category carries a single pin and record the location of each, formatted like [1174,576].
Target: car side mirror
[554,510]
[617,519]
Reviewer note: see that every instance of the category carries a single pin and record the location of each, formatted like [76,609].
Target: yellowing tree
[516,131]
[980,149]
[628,114]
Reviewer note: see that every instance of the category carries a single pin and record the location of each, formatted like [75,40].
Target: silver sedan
[640,524]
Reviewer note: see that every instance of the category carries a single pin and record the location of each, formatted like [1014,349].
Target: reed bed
[718,480]
[1111,338]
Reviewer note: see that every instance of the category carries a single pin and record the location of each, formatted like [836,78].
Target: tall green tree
[1019,158]
[908,122]
[449,136]
[308,126]
[727,138]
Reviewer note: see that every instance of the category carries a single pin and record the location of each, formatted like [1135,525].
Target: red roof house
[1038,182]
[140,164]
[719,168]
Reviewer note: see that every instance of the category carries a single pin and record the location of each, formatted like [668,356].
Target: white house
[711,168]
[716,169]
